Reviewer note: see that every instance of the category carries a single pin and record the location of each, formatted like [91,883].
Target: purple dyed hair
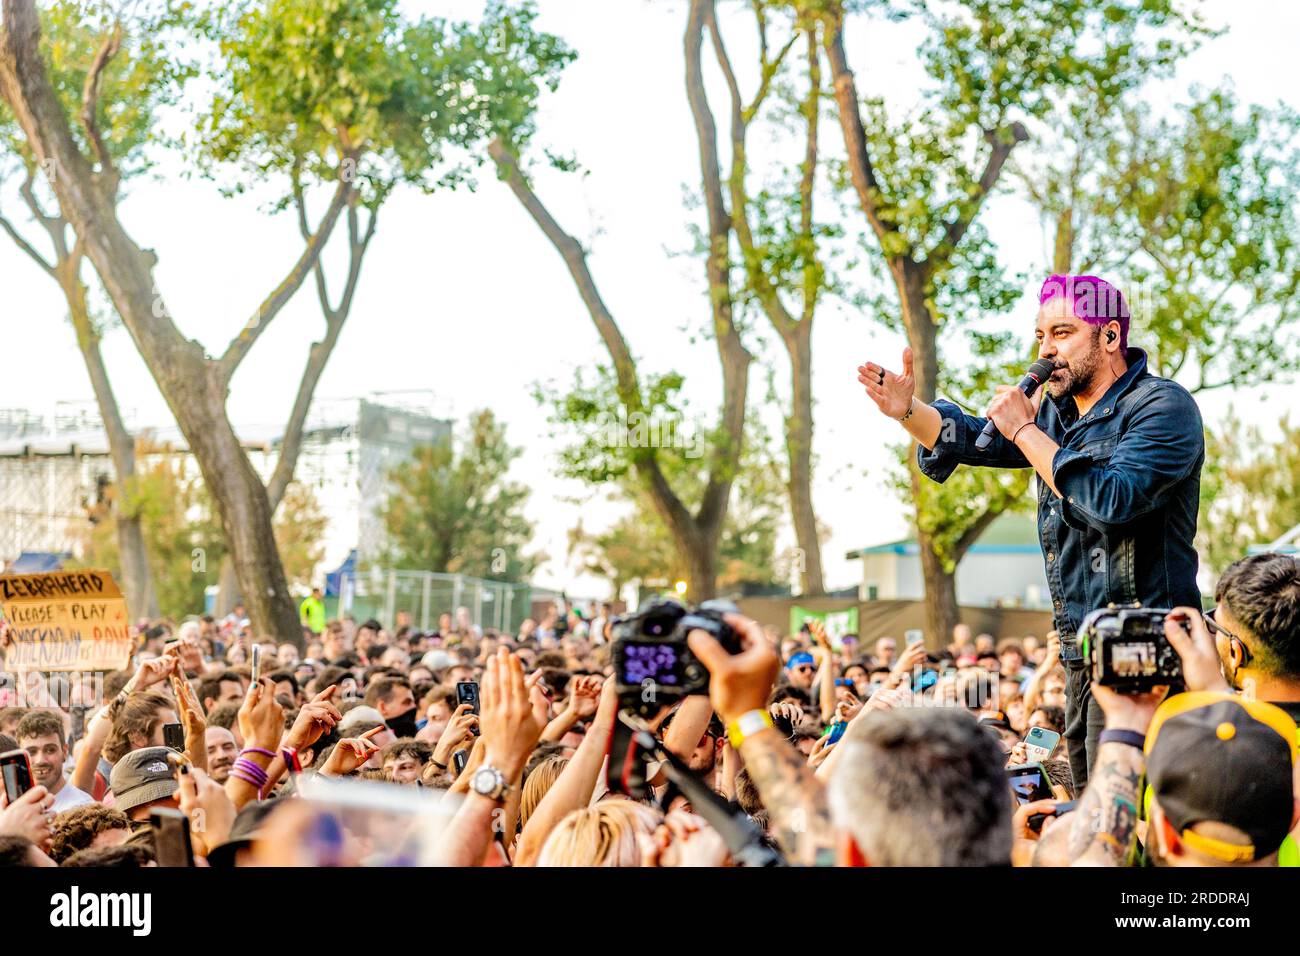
[1092,300]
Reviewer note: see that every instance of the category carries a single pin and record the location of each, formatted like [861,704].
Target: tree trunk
[133,555]
[798,443]
[227,589]
[940,595]
[242,504]
[940,583]
[702,573]
[1063,248]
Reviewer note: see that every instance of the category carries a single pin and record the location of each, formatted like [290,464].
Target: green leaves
[140,81]
[1200,210]
[315,85]
[1250,490]
[452,509]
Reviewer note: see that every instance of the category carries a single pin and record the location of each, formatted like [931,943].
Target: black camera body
[1128,650]
[653,666]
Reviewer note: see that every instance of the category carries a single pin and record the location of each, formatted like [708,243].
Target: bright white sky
[462,295]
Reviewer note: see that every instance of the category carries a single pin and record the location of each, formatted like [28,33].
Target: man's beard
[221,770]
[1077,378]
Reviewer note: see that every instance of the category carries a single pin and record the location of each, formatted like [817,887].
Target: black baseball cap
[1220,757]
[246,828]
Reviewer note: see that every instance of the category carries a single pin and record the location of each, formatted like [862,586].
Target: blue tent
[38,562]
[334,580]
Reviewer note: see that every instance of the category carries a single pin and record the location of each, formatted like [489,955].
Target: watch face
[484,782]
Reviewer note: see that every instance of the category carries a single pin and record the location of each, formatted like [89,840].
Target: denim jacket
[1129,473]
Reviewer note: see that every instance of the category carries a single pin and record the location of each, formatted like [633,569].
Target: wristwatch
[489,782]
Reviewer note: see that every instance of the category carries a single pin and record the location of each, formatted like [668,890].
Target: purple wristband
[251,769]
[257,750]
[240,775]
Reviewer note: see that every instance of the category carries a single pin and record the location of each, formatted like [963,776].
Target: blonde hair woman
[537,783]
[613,832]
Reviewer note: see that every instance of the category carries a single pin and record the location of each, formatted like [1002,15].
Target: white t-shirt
[69,797]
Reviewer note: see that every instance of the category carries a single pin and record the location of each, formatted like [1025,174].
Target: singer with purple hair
[1118,452]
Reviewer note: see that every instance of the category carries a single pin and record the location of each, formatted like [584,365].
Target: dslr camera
[652,664]
[1128,650]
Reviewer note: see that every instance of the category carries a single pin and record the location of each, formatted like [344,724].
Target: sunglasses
[1216,628]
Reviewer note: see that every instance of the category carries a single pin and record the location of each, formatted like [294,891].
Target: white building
[1004,568]
[54,471]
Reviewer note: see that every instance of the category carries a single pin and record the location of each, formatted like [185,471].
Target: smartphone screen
[1029,783]
[257,663]
[171,837]
[467,693]
[174,737]
[914,636]
[1040,743]
[17,770]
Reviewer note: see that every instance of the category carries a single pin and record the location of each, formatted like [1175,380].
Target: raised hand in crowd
[190,712]
[1106,821]
[28,816]
[739,686]
[189,653]
[207,806]
[577,782]
[461,728]
[316,718]
[350,753]
[510,728]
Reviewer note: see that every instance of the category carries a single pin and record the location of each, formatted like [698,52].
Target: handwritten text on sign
[65,621]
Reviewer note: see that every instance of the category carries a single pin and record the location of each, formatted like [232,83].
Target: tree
[695,531]
[178,523]
[124,93]
[182,533]
[639,546]
[1250,490]
[335,115]
[921,184]
[387,109]
[1200,210]
[300,527]
[780,242]
[454,510]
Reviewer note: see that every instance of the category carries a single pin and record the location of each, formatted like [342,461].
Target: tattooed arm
[793,796]
[1106,818]
[740,684]
[1105,823]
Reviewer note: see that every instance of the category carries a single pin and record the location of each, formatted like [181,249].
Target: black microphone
[1038,373]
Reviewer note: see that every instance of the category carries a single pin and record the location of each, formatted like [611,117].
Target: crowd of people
[846,752]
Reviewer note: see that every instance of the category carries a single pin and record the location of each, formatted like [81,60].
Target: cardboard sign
[65,621]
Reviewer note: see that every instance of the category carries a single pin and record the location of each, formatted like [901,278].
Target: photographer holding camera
[1118,452]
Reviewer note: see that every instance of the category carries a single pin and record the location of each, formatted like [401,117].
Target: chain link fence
[425,595]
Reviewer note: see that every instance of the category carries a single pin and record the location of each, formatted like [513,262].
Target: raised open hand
[891,392]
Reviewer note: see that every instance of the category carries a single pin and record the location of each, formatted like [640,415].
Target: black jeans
[1084,722]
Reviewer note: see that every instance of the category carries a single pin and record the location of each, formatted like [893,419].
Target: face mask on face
[403,725]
